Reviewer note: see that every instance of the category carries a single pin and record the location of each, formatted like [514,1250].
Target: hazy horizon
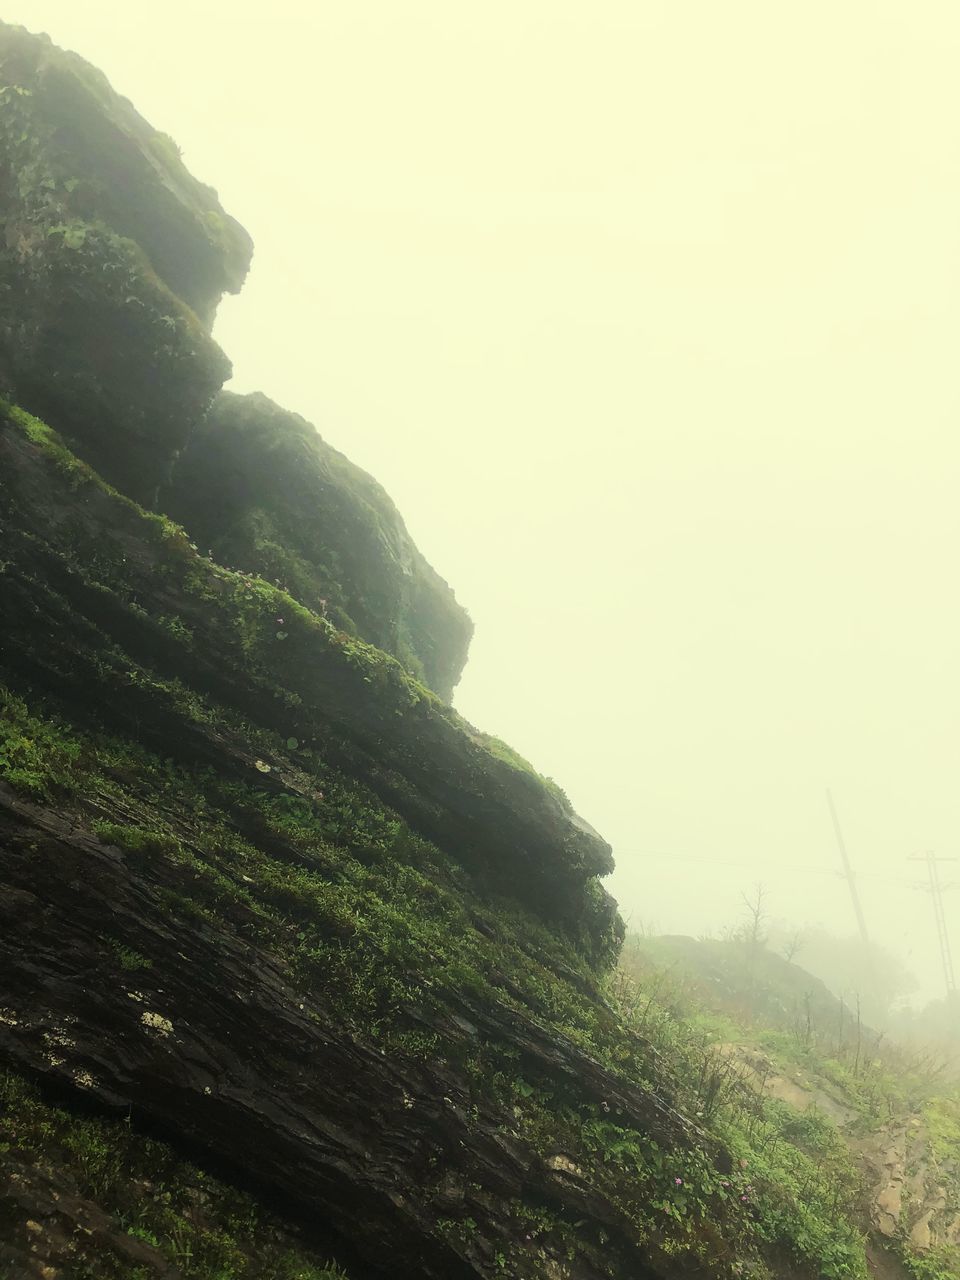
[645,316]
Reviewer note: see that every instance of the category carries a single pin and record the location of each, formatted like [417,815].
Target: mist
[646,317]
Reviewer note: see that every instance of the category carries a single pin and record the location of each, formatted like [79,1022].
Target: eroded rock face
[260,488]
[184,928]
[112,261]
[261,890]
[217,1041]
[146,591]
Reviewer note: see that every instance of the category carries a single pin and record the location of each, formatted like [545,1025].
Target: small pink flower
[678,1182]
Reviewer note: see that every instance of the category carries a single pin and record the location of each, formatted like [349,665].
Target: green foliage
[377,923]
[37,756]
[129,959]
[942,1262]
[941,1121]
[167,148]
[794,1184]
[39,434]
[386,933]
[141,840]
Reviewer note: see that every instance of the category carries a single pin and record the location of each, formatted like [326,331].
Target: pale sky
[646,313]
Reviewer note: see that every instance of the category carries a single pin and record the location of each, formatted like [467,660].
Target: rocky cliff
[112,262]
[294,963]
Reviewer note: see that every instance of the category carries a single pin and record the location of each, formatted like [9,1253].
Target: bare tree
[793,945]
[754,935]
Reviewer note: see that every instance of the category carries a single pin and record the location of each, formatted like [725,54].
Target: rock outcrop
[260,488]
[264,896]
[112,261]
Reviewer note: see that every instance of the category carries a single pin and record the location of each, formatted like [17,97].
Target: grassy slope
[804,1072]
[391,933]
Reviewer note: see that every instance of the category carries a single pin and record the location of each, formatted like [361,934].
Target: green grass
[381,928]
[374,921]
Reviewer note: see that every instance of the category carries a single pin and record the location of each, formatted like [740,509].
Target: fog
[646,314]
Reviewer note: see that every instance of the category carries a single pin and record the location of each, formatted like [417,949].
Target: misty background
[646,313]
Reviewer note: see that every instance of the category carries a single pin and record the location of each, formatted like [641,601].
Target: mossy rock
[263,491]
[112,261]
[147,598]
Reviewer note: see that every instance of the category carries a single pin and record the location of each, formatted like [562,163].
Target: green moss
[38,433]
[139,840]
[502,751]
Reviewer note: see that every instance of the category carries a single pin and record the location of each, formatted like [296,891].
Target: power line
[848,872]
[936,895]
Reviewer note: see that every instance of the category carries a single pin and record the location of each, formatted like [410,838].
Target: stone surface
[263,894]
[112,261]
[251,647]
[260,488]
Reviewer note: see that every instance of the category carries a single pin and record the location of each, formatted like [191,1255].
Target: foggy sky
[646,314]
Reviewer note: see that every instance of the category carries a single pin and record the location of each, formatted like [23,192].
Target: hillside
[798,1061]
[301,975]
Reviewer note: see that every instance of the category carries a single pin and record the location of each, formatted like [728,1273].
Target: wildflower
[678,1182]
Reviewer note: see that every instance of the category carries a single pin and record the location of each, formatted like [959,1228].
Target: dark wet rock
[216,1043]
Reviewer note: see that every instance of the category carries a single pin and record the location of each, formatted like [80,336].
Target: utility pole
[943,935]
[851,881]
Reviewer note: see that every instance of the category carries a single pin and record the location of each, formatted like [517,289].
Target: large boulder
[260,489]
[112,262]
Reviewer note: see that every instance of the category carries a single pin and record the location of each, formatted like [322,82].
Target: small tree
[793,945]
[752,935]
